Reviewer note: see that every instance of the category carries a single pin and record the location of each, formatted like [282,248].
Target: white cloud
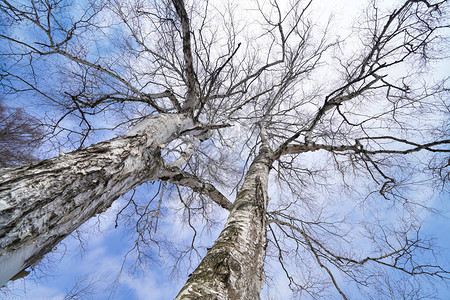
[32,290]
[149,287]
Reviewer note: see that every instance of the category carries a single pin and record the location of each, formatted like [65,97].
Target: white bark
[41,204]
[233,267]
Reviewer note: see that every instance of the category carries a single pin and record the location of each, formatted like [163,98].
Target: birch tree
[315,143]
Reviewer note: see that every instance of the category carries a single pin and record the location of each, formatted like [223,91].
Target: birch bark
[41,204]
[233,267]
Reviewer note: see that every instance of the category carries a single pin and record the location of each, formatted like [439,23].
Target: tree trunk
[41,204]
[233,267]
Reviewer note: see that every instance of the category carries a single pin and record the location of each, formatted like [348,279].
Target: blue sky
[103,260]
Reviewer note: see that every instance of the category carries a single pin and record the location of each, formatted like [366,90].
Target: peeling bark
[233,267]
[43,203]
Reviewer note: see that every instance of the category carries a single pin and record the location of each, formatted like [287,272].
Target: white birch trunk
[233,267]
[41,204]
